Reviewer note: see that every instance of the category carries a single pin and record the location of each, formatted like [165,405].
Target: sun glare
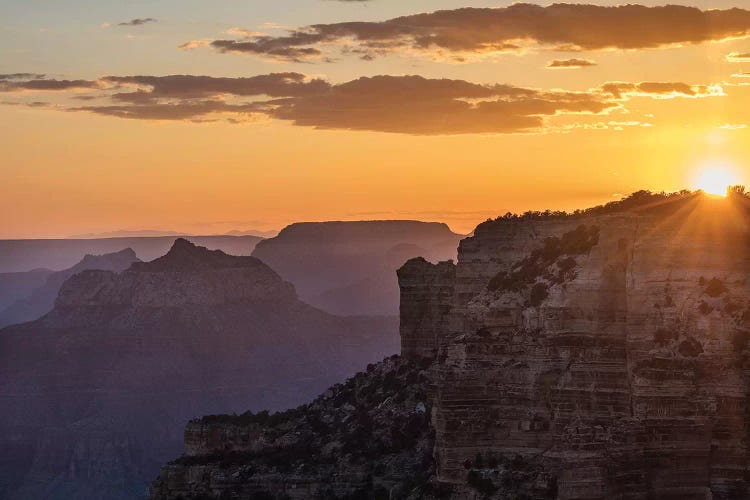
[715,180]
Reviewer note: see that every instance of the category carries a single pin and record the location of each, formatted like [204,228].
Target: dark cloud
[466,31]
[46,85]
[415,105]
[570,64]
[398,104]
[139,21]
[22,76]
[189,86]
[186,110]
[395,104]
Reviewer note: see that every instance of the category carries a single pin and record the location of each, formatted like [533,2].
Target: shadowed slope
[98,390]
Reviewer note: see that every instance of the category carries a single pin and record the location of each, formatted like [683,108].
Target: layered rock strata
[610,351]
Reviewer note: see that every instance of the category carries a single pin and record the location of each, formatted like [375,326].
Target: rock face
[606,354]
[367,437]
[42,299]
[600,355]
[348,268]
[426,305]
[95,394]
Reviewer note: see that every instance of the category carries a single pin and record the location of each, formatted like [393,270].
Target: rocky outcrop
[607,352]
[96,393]
[42,299]
[426,305]
[348,268]
[598,355]
[366,437]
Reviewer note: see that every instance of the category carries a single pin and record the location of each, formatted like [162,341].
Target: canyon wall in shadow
[96,393]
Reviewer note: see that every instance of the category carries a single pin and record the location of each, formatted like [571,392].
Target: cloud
[466,32]
[739,57]
[397,104]
[138,21]
[661,90]
[194,44]
[189,86]
[416,105]
[190,111]
[13,85]
[570,64]
[406,104]
[22,76]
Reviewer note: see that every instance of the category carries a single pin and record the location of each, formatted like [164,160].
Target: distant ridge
[349,267]
[41,300]
[58,254]
[96,393]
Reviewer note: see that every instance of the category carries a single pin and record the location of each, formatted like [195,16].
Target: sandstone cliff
[599,355]
[95,394]
[607,352]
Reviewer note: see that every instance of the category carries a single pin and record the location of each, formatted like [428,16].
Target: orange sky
[457,151]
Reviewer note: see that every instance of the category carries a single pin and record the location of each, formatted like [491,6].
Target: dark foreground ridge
[600,355]
[367,436]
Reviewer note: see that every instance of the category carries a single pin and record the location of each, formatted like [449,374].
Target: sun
[715,180]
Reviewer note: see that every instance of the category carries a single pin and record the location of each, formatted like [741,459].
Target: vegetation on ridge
[539,263]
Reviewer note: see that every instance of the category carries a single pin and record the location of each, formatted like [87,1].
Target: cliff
[348,268]
[607,351]
[599,355]
[96,392]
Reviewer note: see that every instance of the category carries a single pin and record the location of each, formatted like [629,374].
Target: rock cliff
[607,352]
[596,355]
[95,394]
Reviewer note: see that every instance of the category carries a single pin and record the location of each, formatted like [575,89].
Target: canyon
[596,355]
[96,392]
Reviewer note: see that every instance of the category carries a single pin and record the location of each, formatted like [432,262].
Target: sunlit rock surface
[619,371]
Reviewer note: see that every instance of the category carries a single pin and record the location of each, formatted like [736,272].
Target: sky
[205,117]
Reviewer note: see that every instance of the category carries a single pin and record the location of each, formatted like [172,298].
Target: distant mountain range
[58,254]
[41,299]
[150,233]
[349,268]
[95,394]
